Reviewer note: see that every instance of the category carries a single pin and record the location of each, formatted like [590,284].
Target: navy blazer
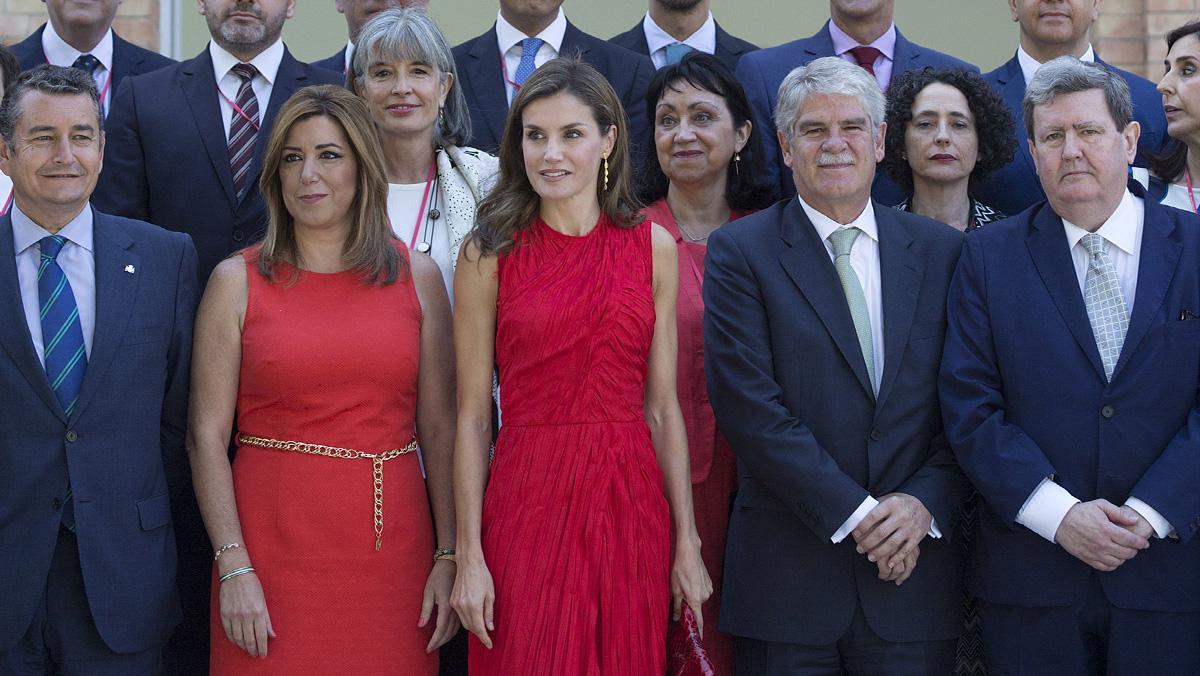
[166,159]
[1015,186]
[128,58]
[1024,398]
[121,447]
[334,62]
[729,49]
[478,61]
[790,391]
[761,73]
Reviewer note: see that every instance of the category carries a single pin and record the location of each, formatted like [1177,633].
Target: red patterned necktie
[243,128]
[865,57]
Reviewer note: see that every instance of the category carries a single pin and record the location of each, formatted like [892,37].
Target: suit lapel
[900,275]
[199,85]
[1156,267]
[125,61]
[819,45]
[906,55]
[290,77]
[574,43]
[14,333]
[1011,86]
[1047,245]
[806,261]
[487,81]
[115,292]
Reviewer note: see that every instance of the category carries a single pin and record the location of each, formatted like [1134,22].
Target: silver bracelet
[236,572]
[224,548]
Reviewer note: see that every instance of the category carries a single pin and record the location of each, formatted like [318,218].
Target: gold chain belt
[377,460]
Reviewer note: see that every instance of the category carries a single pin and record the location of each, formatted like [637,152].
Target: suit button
[876,435]
[57,503]
[1108,411]
[238,235]
[71,436]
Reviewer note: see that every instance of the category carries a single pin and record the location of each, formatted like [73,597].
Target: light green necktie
[842,240]
[1105,303]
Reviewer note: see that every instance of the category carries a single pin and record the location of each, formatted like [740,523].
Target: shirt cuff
[1162,527]
[934,531]
[859,514]
[1045,509]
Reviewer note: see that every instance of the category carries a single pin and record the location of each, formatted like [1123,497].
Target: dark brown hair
[1169,162]
[370,247]
[512,205]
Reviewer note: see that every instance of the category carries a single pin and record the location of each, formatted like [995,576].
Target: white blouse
[404,199]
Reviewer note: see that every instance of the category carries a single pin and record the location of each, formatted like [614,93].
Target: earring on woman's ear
[442,117]
[606,172]
[737,163]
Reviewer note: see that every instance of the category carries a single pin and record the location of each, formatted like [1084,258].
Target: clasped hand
[1103,535]
[890,535]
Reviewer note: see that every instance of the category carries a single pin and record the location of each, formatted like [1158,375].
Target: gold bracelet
[446,554]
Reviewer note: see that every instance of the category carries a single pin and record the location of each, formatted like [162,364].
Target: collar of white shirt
[267,61]
[703,40]
[59,53]
[1030,65]
[826,225]
[842,42]
[349,53]
[508,36]
[26,233]
[1121,228]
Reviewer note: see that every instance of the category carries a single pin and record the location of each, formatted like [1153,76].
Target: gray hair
[47,79]
[1068,75]
[408,34]
[828,75]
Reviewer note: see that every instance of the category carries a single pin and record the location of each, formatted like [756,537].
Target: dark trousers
[62,639]
[859,651]
[1090,637]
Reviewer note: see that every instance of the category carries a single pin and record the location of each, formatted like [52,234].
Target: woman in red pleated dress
[566,564]
[708,172]
[331,343]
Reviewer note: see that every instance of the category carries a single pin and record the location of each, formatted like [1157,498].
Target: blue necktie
[675,52]
[62,338]
[529,50]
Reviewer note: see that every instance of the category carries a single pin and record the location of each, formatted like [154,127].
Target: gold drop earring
[605,172]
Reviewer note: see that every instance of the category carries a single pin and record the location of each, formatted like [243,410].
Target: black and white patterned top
[981,214]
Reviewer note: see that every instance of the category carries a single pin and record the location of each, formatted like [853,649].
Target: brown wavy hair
[512,204]
[370,248]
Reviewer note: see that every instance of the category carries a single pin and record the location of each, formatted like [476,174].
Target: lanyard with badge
[238,109]
[8,202]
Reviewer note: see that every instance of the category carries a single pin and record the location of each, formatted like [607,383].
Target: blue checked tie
[62,338]
[843,241]
[676,51]
[529,50]
[1105,303]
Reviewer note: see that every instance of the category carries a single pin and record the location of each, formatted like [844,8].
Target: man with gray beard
[672,28]
[184,152]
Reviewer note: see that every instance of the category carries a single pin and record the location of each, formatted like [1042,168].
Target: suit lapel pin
[129,269]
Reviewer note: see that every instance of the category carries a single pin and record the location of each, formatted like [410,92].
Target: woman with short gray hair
[404,70]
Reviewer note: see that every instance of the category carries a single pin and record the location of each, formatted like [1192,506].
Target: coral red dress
[575,525]
[331,360]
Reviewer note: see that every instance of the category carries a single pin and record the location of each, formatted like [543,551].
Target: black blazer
[790,391]
[478,62]
[729,48]
[334,62]
[166,160]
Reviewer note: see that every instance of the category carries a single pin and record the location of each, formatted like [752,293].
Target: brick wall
[137,20]
[1130,33]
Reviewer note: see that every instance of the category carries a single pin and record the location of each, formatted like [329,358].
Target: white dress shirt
[886,44]
[509,38]
[59,53]
[1049,503]
[267,62]
[1030,65]
[5,191]
[657,39]
[864,258]
[77,260]
[348,56]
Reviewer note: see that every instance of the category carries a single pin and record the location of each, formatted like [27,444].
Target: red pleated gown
[575,524]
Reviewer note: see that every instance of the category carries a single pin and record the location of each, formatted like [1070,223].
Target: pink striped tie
[243,128]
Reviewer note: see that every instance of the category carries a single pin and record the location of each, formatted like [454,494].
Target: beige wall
[979,31]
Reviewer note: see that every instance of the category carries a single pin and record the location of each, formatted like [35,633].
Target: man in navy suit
[80,34]
[1069,390]
[859,31]
[94,356]
[492,67]
[358,13]
[824,320]
[673,28]
[1049,29]
[184,151]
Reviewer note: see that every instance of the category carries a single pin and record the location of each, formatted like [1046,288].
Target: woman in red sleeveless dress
[565,561]
[330,342]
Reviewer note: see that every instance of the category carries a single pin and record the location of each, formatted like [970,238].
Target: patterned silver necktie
[1105,303]
[842,240]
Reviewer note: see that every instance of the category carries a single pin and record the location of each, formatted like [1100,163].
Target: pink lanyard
[8,202]
[1187,175]
[253,122]
[424,201]
[103,91]
[504,74]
